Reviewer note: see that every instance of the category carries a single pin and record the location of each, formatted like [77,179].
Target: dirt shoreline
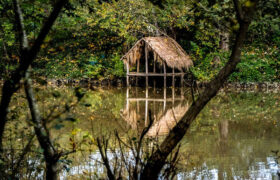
[250,86]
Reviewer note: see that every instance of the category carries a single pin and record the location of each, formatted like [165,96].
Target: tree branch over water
[158,158]
[27,56]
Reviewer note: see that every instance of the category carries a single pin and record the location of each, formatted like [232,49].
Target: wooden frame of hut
[165,53]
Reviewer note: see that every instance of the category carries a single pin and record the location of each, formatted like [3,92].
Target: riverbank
[249,86]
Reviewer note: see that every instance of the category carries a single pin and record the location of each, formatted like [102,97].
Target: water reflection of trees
[229,138]
[226,140]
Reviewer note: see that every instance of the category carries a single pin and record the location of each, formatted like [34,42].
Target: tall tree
[157,160]
[27,56]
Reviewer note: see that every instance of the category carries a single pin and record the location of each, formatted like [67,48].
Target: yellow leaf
[75,131]
[249,3]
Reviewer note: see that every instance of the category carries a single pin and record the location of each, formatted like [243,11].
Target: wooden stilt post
[164,105]
[173,95]
[155,116]
[164,96]
[146,113]
[138,67]
[173,77]
[138,108]
[146,107]
[127,99]
[146,64]
[154,72]
[127,73]
[164,71]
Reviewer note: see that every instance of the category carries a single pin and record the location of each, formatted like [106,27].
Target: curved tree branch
[158,158]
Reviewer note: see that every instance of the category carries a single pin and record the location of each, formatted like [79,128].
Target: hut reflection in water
[167,107]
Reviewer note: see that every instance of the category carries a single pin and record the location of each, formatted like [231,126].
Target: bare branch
[158,158]
[144,132]
[22,155]
[27,57]
[121,150]
[66,153]
[104,157]
[120,140]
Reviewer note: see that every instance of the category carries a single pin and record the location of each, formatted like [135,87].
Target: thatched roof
[165,49]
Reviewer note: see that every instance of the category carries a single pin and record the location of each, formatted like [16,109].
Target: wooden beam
[155,68]
[182,80]
[173,77]
[127,74]
[173,95]
[146,63]
[146,106]
[155,74]
[137,102]
[164,72]
[155,99]
[127,99]
[138,65]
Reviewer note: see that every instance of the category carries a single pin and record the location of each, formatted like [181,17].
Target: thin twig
[104,156]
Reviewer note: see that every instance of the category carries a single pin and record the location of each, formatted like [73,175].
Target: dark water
[232,138]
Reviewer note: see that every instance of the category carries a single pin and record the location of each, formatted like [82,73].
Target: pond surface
[232,138]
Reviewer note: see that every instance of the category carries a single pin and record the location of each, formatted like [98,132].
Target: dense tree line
[90,37]
[92,34]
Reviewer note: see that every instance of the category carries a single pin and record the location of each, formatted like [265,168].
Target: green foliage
[257,65]
[89,38]
[207,68]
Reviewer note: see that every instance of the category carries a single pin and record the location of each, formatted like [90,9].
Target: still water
[232,138]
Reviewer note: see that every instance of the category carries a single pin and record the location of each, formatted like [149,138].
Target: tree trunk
[52,171]
[50,154]
[26,58]
[7,93]
[158,158]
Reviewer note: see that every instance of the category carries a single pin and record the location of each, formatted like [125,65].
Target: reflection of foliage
[252,125]
[62,114]
[252,122]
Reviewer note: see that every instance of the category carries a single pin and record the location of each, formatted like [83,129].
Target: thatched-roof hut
[162,52]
